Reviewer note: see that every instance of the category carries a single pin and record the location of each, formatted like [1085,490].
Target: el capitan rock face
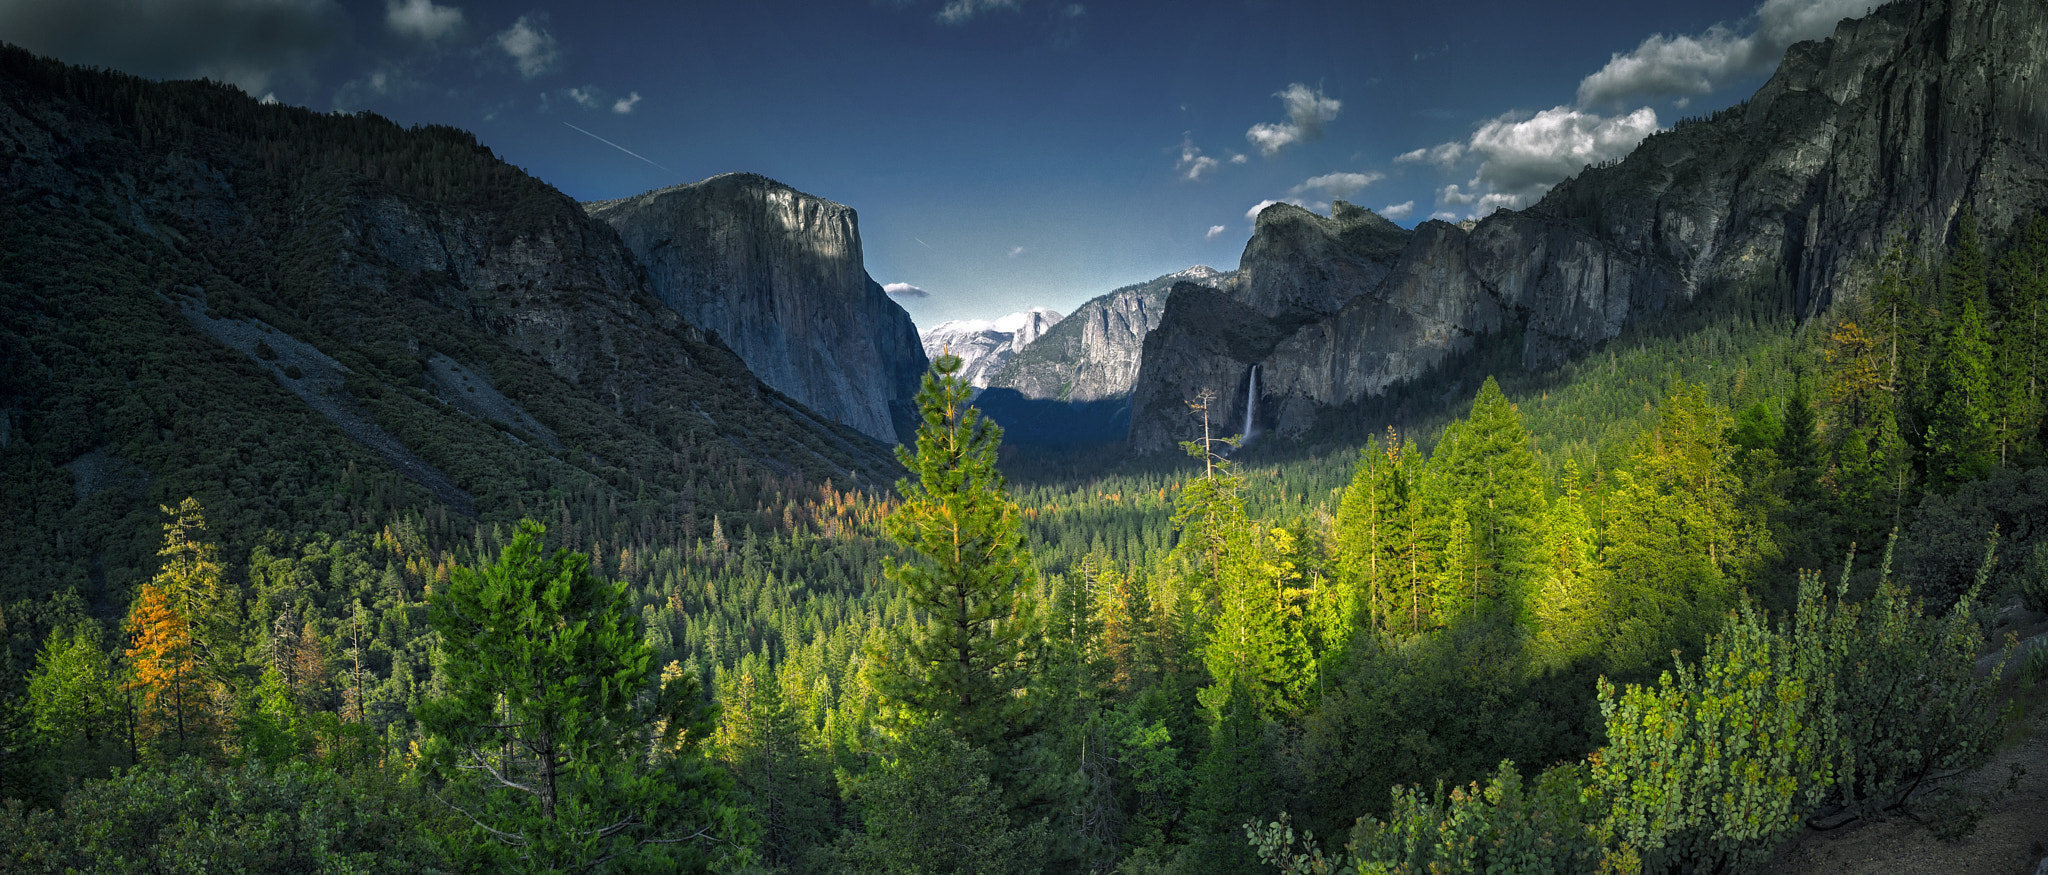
[777,275]
[1889,129]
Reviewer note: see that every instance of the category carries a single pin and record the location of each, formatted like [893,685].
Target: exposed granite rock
[1889,129]
[983,345]
[777,275]
[1093,354]
[1300,266]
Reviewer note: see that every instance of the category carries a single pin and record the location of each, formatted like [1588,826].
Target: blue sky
[1001,153]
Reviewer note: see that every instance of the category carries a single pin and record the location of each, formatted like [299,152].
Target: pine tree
[1960,439]
[761,742]
[546,739]
[967,664]
[1567,602]
[2021,329]
[1488,466]
[1678,539]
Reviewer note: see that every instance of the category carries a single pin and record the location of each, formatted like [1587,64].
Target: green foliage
[1502,828]
[961,667]
[547,738]
[72,690]
[932,807]
[1680,540]
[1913,711]
[1722,759]
[187,817]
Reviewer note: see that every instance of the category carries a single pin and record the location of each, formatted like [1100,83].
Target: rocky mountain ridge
[1888,129]
[1093,354]
[311,320]
[778,276]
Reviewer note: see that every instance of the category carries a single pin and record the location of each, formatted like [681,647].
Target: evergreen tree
[2021,329]
[1567,600]
[1960,438]
[760,740]
[72,690]
[965,665]
[1678,540]
[549,739]
[1488,466]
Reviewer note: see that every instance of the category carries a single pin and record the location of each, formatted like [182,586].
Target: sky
[1001,154]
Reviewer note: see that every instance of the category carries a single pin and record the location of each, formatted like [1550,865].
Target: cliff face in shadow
[777,275]
[1889,129]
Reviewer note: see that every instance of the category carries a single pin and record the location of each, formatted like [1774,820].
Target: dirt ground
[2012,839]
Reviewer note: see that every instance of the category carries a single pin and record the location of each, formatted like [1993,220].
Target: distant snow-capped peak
[983,345]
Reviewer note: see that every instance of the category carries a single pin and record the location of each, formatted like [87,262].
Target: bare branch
[513,839]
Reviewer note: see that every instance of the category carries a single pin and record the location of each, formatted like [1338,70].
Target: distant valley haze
[1002,154]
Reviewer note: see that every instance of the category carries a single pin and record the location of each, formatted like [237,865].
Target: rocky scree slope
[1887,130]
[176,259]
[777,275]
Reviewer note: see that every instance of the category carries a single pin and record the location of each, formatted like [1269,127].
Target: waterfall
[1251,403]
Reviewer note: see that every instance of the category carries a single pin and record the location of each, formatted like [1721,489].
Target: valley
[373,505]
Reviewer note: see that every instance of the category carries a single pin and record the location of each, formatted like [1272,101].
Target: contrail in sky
[924,244]
[614,145]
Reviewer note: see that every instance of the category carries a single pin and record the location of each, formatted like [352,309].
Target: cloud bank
[905,290]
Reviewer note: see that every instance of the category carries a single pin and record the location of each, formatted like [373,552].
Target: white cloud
[625,104]
[1687,65]
[1522,159]
[269,99]
[1451,196]
[1398,211]
[1016,251]
[530,45]
[1192,163]
[1445,216]
[1238,158]
[421,19]
[962,11]
[586,97]
[1443,155]
[1307,110]
[1215,231]
[1339,185]
[905,290]
[244,42]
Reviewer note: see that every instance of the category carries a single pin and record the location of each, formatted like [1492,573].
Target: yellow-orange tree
[163,674]
[166,650]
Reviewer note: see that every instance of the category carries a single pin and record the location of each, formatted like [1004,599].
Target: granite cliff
[1887,130]
[777,275]
[1093,354]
